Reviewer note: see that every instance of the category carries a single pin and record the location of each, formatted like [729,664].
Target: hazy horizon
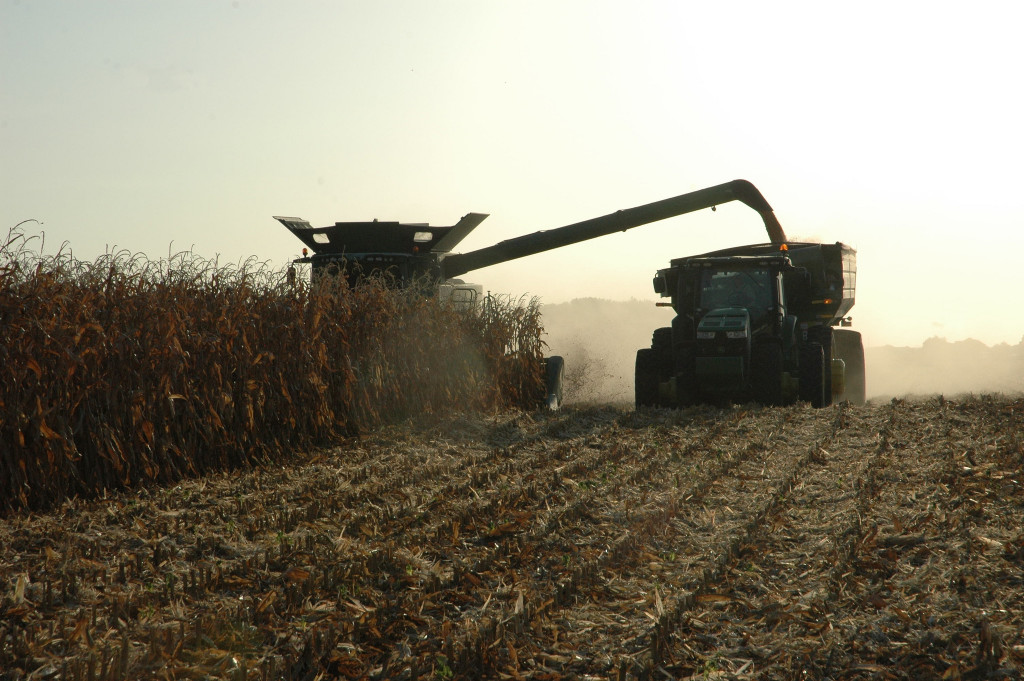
[599,339]
[162,127]
[664,316]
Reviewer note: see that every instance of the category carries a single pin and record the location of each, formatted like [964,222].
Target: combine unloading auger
[411,250]
[619,221]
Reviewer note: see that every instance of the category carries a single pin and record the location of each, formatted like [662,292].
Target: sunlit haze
[894,127]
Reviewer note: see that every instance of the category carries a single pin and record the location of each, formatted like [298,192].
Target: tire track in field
[632,551]
[762,587]
[404,486]
[508,562]
[848,577]
[440,594]
[552,586]
[752,497]
[619,619]
[926,590]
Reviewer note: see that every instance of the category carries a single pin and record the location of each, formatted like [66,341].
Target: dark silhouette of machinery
[417,254]
[765,322]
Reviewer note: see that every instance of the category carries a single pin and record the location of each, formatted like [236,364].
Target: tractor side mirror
[660,284]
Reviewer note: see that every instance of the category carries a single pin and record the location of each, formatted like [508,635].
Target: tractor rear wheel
[661,339]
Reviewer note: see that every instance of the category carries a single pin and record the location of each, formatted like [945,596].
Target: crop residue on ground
[872,542]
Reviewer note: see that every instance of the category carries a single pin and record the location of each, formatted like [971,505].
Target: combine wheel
[812,375]
[766,373]
[554,372]
[850,349]
[646,378]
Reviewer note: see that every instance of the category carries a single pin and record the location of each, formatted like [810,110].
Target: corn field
[127,371]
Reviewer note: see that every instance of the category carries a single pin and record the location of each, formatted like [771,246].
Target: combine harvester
[775,348]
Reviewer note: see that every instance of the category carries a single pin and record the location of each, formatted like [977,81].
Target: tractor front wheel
[766,373]
[812,375]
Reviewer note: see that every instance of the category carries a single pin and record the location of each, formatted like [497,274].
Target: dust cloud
[599,339]
[943,367]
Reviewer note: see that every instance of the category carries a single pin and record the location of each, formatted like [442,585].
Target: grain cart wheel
[822,335]
[850,349]
[812,374]
[766,373]
[645,378]
[554,371]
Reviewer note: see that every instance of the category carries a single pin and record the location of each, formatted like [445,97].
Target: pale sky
[895,127]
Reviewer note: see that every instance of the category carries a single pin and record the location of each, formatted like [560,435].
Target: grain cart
[765,322]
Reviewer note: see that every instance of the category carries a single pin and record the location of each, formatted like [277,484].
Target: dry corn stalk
[128,370]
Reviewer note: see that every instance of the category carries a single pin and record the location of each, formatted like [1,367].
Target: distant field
[788,543]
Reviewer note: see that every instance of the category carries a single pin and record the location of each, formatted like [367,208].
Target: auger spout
[619,221]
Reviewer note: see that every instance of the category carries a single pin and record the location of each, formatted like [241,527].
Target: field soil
[875,542]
